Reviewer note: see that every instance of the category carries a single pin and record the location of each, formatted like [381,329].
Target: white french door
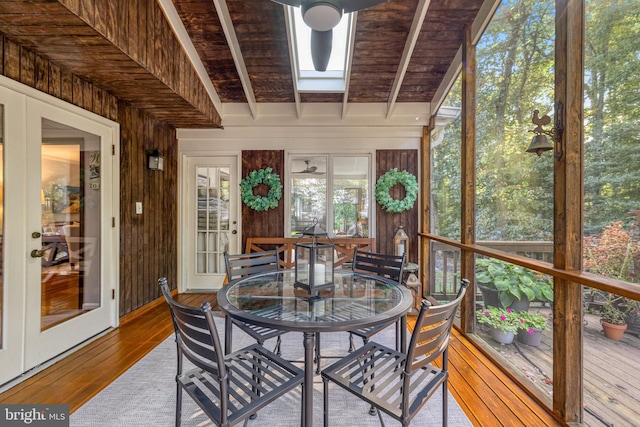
[211,223]
[59,244]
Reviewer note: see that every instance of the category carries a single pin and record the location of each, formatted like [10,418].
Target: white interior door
[211,223]
[59,275]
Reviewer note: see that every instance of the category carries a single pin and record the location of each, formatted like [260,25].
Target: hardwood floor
[488,396]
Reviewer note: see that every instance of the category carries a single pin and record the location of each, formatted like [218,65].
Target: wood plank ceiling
[384,34]
[402,51]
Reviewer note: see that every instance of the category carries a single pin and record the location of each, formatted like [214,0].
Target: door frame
[184,211]
[17,260]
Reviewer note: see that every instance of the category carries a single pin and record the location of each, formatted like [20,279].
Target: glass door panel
[213,218]
[212,225]
[71,206]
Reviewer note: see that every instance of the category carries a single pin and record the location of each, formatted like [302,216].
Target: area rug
[144,395]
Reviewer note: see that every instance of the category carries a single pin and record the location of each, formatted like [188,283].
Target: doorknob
[36,235]
[234,232]
[37,253]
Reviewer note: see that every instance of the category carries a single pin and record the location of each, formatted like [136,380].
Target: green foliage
[504,319]
[445,173]
[612,112]
[532,320]
[512,281]
[515,62]
[514,198]
[388,180]
[255,178]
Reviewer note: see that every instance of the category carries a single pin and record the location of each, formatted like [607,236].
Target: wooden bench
[344,247]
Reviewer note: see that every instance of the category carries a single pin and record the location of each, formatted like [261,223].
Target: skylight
[309,80]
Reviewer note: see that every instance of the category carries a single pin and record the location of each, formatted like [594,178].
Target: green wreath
[255,178]
[388,180]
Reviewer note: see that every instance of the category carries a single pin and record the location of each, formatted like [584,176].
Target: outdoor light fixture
[156,161]
[314,260]
[540,143]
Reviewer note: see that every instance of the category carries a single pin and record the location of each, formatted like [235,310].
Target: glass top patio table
[356,301]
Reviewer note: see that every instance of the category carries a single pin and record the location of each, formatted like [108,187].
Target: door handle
[234,232]
[37,253]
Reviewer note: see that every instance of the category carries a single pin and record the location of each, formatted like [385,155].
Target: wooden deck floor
[485,393]
[612,372]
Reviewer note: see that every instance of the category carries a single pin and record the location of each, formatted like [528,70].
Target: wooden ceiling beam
[187,45]
[292,60]
[409,46]
[238,59]
[347,80]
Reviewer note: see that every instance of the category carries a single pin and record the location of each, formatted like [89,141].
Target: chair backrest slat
[196,333]
[431,334]
[389,266]
[242,265]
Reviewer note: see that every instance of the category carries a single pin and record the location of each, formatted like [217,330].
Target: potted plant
[531,326]
[613,313]
[502,322]
[614,253]
[507,285]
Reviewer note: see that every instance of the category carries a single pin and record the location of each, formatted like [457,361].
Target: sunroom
[517,119]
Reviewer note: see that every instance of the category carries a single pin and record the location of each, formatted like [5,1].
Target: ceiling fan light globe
[321,16]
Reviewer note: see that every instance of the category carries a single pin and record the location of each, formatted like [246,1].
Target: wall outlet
[139,208]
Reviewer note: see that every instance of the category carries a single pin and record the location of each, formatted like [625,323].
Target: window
[332,189]
[334,78]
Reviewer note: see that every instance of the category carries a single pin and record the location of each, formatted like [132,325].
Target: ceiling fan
[310,169]
[321,16]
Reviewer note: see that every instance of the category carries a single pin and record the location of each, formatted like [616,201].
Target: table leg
[403,334]
[228,325]
[307,397]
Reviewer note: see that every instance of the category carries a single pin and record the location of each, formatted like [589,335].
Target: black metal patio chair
[400,384]
[243,265]
[389,266]
[228,388]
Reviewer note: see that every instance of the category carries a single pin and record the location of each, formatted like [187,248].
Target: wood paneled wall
[148,247]
[148,242]
[271,222]
[387,223]
[139,29]
[23,65]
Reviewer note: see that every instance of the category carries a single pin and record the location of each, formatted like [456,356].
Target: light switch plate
[139,208]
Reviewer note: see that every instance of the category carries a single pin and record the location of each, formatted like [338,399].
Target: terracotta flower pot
[613,332]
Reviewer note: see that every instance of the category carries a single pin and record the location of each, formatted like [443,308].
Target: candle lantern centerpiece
[314,260]
[401,243]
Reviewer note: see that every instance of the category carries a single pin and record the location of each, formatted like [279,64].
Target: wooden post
[468,177]
[568,211]
[425,206]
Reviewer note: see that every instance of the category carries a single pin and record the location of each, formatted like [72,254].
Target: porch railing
[445,268]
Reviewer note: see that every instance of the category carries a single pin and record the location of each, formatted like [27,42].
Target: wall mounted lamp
[156,161]
[540,143]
